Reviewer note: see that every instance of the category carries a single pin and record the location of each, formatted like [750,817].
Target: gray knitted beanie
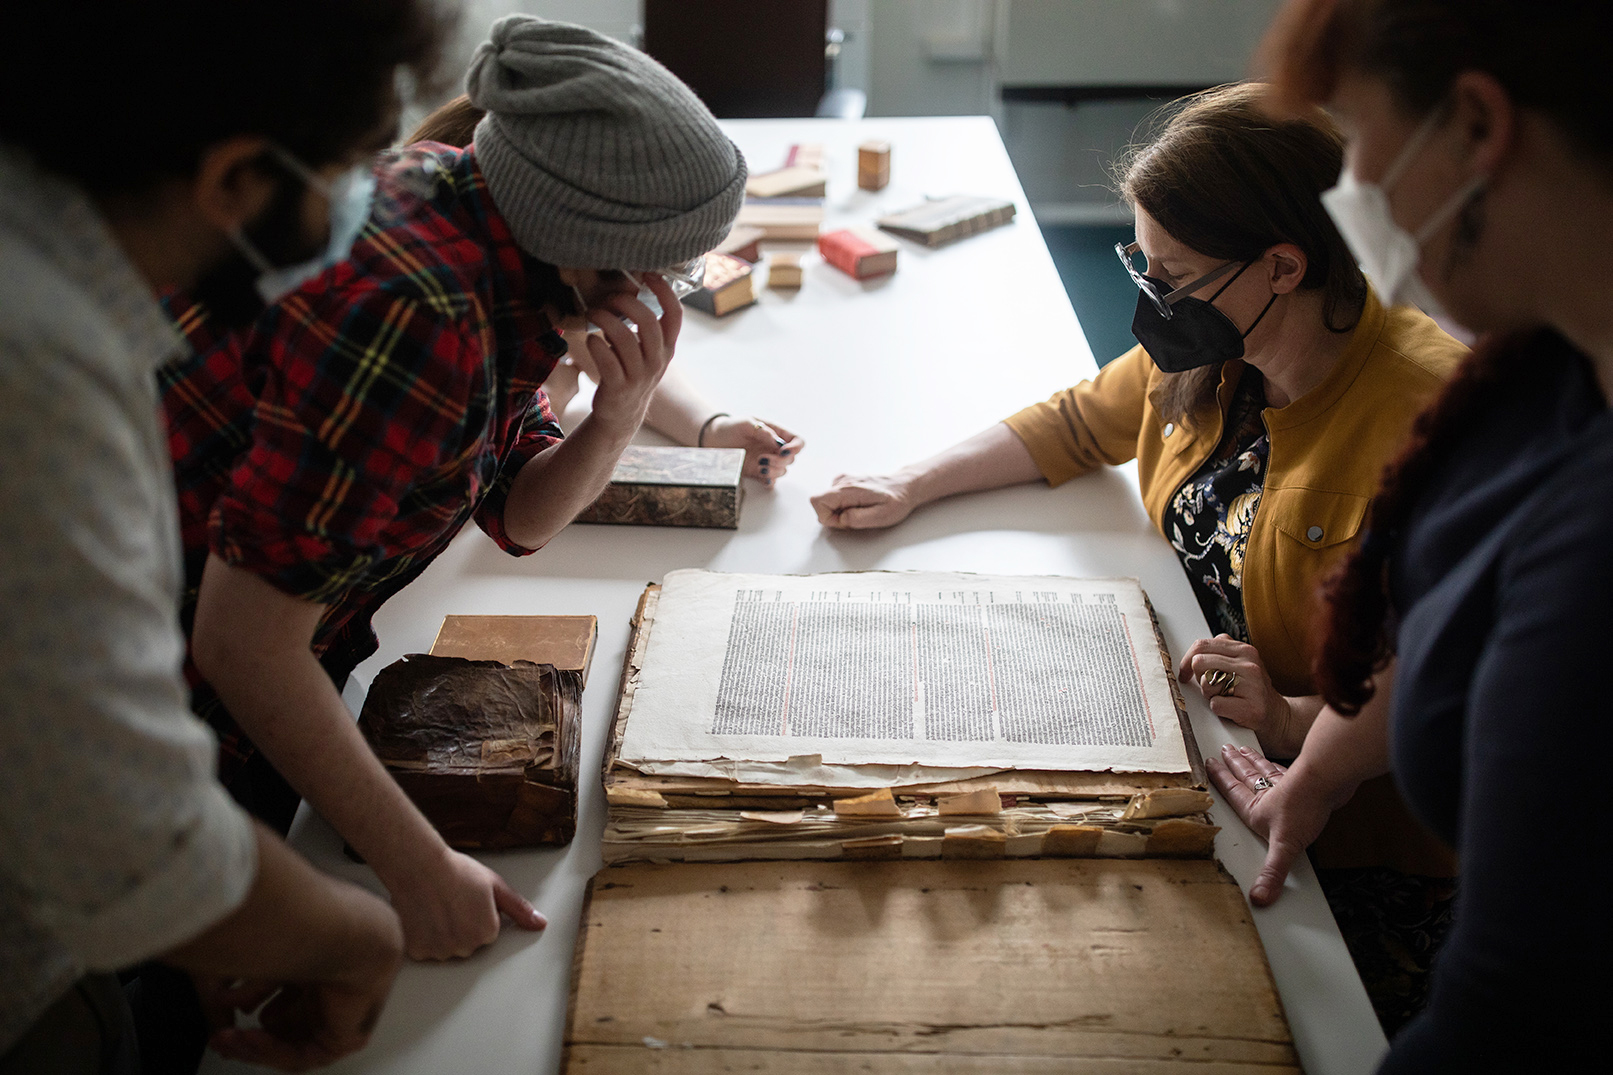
[597,156]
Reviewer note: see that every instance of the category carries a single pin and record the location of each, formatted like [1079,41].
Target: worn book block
[727,286]
[920,968]
[874,165]
[567,642]
[858,252]
[1014,814]
[947,220]
[672,487]
[488,752]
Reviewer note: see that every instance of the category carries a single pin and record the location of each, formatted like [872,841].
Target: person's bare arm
[987,460]
[251,642]
[557,483]
[680,411]
[1339,754]
[325,950]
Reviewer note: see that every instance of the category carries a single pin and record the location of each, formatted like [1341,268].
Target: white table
[873,375]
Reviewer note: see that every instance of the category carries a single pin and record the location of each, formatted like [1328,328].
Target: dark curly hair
[119,96]
[1551,58]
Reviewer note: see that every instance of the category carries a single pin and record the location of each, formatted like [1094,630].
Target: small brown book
[567,642]
[727,286]
[672,487]
[487,751]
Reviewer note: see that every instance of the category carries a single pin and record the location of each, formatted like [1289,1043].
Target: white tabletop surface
[873,375]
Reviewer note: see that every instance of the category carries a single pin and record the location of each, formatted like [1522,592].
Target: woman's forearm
[990,459]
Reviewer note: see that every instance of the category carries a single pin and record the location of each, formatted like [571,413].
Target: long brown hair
[1549,57]
[452,124]
[1224,178]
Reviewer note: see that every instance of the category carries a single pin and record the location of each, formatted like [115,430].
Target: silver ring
[1260,783]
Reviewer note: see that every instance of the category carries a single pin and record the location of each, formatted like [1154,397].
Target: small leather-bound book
[727,286]
[487,751]
[654,486]
[859,252]
[946,220]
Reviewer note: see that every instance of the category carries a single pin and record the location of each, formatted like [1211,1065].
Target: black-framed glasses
[1164,302]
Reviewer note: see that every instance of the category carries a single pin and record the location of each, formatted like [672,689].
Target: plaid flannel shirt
[338,446]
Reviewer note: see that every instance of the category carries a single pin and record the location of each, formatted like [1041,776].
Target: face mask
[1196,334]
[350,198]
[1387,252]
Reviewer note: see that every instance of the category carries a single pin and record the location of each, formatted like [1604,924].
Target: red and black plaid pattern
[339,445]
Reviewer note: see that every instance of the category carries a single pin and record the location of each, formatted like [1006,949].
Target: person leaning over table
[677,409]
[324,458]
[126,873]
[1269,387]
[1480,178]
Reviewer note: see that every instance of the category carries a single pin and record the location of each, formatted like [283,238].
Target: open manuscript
[900,714]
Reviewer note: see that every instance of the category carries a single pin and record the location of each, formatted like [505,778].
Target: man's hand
[302,1026]
[321,952]
[1288,814]
[630,363]
[769,447]
[1253,702]
[865,502]
[450,907]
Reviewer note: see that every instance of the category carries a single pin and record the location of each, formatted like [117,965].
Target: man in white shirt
[156,160]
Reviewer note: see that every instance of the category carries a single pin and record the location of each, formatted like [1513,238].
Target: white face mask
[1387,252]
[349,197]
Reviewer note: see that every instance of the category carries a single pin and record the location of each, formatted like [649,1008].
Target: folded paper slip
[947,220]
[727,286]
[567,642]
[922,967]
[654,486]
[858,252]
[801,653]
[488,752]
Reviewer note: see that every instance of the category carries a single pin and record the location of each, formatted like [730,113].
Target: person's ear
[231,186]
[1286,265]
[1483,118]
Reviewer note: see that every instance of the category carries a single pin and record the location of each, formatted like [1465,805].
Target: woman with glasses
[1269,388]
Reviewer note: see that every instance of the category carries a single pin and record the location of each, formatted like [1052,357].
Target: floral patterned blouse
[1208,519]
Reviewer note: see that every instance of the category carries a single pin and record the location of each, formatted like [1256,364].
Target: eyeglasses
[1160,302]
[684,278]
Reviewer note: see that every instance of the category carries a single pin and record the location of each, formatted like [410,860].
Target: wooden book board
[922,967]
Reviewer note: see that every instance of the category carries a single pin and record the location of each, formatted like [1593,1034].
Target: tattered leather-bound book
[488,751]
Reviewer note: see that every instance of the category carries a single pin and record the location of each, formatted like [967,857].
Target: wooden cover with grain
[654,486]
[488,752]
[922,967]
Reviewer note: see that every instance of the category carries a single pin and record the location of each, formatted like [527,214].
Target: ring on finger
[1260,783]
[1221,682]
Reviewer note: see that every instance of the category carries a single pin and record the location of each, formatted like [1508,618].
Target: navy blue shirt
[1501,737]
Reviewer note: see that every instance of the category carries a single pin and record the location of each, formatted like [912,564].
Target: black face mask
[1197,333]
[229,289]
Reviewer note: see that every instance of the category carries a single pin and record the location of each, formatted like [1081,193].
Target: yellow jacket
[1328,451]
